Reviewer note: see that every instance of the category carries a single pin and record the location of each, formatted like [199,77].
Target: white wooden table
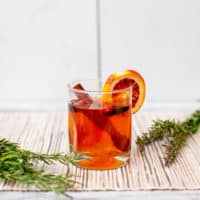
[142,195]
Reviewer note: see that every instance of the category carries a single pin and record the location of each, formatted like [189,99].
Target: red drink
[100,118]
[101,134]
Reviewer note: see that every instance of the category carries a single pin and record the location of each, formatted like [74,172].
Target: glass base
[102,163]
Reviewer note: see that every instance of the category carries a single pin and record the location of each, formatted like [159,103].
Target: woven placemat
[47,133]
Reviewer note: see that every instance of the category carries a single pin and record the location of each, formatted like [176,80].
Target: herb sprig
[176,133]
[17,166]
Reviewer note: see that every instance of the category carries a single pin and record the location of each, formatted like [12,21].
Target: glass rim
[70,86]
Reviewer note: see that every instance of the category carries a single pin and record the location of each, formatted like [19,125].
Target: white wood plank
[153,195]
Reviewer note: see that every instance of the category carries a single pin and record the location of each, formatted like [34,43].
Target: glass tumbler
[99,125]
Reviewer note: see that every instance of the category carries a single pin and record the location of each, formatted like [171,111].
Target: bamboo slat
[46,132]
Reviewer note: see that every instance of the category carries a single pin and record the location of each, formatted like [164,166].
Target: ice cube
[95,103]
[81,103]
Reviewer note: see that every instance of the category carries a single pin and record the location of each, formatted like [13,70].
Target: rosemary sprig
[174,147]
[176,132]
[159,130]
[178,140]
[16,165]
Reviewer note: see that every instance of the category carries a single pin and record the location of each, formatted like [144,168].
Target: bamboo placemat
[47,133]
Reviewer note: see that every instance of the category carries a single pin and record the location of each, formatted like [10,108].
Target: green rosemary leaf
[174,147]
[16,165]
[176,132]
[178,141]
[158,131]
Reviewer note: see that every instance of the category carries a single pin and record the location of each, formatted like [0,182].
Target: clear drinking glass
[99,125]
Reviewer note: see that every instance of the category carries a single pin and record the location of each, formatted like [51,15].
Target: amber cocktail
[99,125]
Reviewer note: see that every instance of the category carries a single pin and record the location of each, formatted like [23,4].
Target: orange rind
[123,80]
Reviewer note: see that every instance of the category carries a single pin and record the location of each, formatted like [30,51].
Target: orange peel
[123,80]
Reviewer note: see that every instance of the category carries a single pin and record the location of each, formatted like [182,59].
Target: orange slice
[125,79]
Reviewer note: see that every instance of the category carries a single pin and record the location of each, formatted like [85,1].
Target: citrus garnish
[126,79]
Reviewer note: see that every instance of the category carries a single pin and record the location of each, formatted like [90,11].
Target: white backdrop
[46,43]
[161,38]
